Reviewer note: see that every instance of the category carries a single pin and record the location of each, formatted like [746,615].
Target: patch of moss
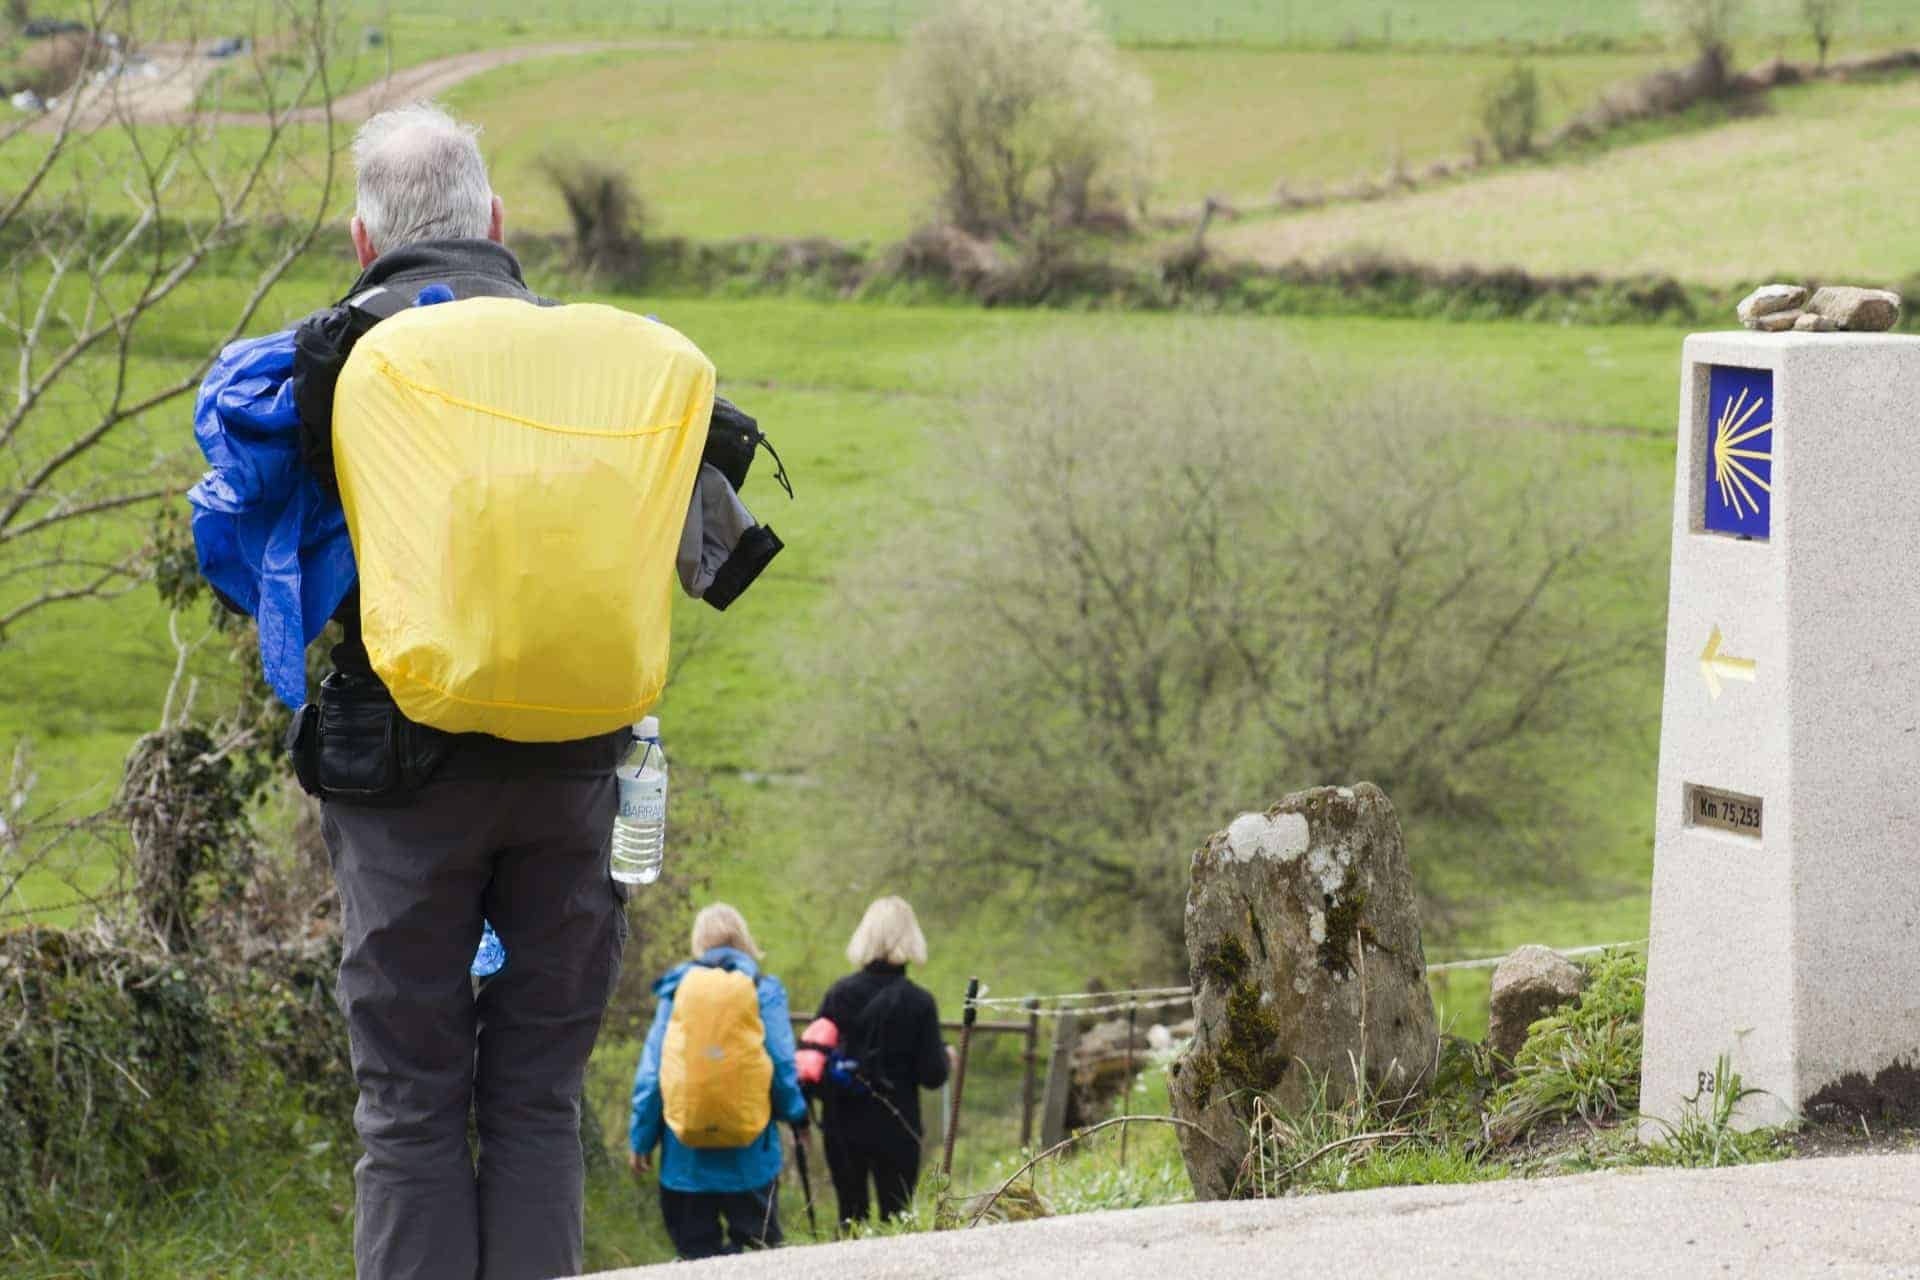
[1197,1074]
[1228,964]
[1346,926]
[1249,1055]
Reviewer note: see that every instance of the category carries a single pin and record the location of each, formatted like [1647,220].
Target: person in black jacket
[872,1130]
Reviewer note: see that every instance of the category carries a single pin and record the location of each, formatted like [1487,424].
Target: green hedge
[127,1075]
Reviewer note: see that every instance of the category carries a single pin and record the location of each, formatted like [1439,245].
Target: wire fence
[1007,1071]
[1140,999]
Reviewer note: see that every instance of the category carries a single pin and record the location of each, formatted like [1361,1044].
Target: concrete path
[1854,1216]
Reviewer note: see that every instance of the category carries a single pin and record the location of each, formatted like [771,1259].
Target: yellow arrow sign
[1717,666]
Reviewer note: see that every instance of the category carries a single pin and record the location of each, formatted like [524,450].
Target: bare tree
[1179,583]
[1022,113]
[1822,19]
[1707,25]
[608,216]
[146,233]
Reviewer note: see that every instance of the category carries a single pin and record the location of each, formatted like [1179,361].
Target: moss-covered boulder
[1307,968]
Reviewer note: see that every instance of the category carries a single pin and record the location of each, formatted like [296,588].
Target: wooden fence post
[1030,1072]
[1053,1115]
[967,1018]
[1126,1088]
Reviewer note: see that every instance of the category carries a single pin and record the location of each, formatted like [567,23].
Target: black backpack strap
[732,437]
[321,346]
[864,1020]
[378,303]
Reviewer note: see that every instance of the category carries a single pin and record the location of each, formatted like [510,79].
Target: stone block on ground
[1857,310]
[1304,942]
[1527,986]
[1103,1066]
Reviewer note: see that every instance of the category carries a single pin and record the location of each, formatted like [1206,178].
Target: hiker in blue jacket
[701,1185]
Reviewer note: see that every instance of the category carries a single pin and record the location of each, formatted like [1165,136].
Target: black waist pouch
[354,745]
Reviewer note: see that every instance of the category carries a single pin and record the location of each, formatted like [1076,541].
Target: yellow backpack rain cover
[516,479]
[716,1080]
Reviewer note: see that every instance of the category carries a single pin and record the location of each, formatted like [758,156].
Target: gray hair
[420,176]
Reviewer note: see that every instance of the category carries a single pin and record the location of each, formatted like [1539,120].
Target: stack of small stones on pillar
[1777,308]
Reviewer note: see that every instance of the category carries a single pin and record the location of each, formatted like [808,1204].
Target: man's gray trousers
[529,853]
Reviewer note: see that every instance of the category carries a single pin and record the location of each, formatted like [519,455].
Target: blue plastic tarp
[268,536]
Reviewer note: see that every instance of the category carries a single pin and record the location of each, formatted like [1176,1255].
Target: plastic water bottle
[640,832]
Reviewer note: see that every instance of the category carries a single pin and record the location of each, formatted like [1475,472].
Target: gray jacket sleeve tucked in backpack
[722,547]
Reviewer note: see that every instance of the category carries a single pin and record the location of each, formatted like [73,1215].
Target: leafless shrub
[1172,582]
[1510,111]
[1708,26]
[1022,113]
[607,214]
[1822,20]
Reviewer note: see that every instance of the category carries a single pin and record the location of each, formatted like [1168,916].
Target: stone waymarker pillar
[1786,875]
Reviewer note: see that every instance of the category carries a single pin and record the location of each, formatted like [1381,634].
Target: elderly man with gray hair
[449,828]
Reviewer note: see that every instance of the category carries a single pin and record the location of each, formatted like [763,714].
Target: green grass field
[784,137]
[1815,188]
[1422,23]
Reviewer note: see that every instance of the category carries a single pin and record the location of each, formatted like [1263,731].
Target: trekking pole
[967,1017]
[806,1180]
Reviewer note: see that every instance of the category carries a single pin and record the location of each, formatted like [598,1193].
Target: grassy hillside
[1424,23]
[785,137]
[1816,187]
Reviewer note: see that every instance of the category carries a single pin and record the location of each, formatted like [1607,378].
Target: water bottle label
[644,807]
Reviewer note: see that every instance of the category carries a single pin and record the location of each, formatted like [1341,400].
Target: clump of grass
[1705,1138]
[1373,1138]
[1581,1062]
[1094,1174]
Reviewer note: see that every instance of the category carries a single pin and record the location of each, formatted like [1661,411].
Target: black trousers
[530,854]
[693,1220]
[891,1161]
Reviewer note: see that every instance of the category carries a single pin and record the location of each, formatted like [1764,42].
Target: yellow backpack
[716,1080]
[515,480]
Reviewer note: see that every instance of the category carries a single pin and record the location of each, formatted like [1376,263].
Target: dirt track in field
[166,88]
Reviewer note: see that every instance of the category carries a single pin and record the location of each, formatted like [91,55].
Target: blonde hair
[890,933]
[721,925]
